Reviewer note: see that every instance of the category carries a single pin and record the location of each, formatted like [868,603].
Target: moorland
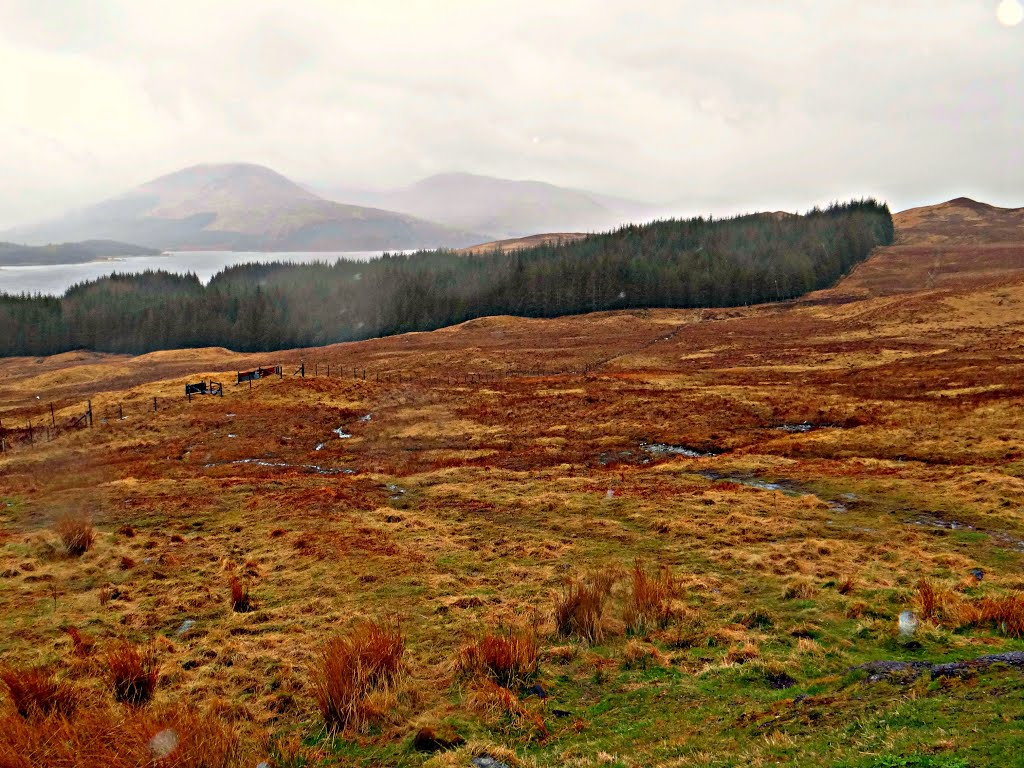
[782,534]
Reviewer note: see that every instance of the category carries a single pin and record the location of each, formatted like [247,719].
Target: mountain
[242,207]
[961,221]
[501,207]
[12,254]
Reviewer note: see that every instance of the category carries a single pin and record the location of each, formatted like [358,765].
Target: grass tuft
[509,659]
[649,605]
[356,675]
[82,644]
[76,533]
[579,608]
[1005,613]
[241,602]
[36,692]
[133,673]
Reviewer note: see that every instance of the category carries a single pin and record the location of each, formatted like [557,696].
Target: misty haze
[479,384]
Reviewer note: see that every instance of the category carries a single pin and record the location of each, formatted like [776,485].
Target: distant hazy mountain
[500,207]
[961,221]
[12,254]
[241,207]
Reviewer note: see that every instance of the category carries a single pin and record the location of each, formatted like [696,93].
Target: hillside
[242,207]
[694,262]
[518,243]
[786,534]
[961,221]
[504,208]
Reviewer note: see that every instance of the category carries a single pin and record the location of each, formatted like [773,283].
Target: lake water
[55,279]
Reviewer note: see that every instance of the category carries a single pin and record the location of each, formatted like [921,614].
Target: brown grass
[76,533]
[509,659]
[177,737]
[133,672]
[37,692]
[356,675]
[649,605]
[1006,614]
[799,590]
[240,600]
[927,598]
[82,644]
[579,608]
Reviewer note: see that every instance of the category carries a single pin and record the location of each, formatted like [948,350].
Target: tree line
[698,262]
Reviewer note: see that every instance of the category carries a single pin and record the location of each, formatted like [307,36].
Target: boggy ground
[805,473]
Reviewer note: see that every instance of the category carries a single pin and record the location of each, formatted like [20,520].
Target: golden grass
[470,506]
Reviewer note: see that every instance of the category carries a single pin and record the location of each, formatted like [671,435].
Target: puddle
[396,491]
[284,465]
[232,435]
[341,433]
[803,427]
[367,417]
[753,482]
[619,457]
[664,449]
[933,521]
[320,446]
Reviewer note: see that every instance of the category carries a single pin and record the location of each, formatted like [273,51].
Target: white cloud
[718,106]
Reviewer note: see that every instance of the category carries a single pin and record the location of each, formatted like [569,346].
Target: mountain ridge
[241,206]
[503,208]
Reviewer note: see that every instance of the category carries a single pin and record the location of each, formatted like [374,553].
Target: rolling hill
[961,221]
[501,207]
[241,207]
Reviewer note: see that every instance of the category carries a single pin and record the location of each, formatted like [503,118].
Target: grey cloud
[698,106]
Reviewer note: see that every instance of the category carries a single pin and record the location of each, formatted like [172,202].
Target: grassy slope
[473,500]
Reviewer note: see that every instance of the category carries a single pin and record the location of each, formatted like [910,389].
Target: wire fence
[36,425]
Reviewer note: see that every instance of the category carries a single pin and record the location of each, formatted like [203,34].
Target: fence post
[328,370]
[316,370]
[89,412]
[302,369]
[53,421]
[120,412]
[154,405]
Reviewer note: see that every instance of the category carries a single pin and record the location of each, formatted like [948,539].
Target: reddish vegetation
[76,533]
[240,600]
[579,609]
[357,674]
[650,601]
[36,692]
[133,672]
[890,409]
[508,659]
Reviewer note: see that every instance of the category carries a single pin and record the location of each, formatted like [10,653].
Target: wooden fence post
[89,412]
[154,405]
[53,421]
[120,412]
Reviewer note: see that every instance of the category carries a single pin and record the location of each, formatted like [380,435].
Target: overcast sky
[723,105]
